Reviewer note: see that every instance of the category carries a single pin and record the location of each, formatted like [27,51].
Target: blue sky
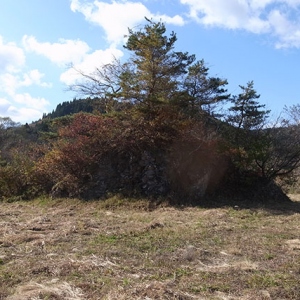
[240,40]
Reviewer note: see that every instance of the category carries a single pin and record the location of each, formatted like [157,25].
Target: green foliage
[16,163]
[247,133]
[6,122]
[247,113]
[154,69]
[88,105]
[201,91]
[17,178]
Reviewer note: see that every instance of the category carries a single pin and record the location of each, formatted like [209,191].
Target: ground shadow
[288,207]
[270,198]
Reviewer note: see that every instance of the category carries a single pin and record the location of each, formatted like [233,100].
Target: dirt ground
[123,249]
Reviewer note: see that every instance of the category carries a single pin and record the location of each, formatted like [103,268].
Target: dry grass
[68,249]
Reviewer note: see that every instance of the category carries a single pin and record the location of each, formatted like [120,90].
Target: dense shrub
[17,177]
[96,154]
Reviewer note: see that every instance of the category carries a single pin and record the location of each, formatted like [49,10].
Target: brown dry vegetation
[123,249]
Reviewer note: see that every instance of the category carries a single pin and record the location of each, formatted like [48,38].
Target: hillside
[124,249]
[88,105]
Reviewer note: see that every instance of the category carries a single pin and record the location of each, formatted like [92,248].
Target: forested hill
[87,105]
[71,107]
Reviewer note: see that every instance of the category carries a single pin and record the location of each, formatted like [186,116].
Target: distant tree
[292,114]
[7,122]
[6,132]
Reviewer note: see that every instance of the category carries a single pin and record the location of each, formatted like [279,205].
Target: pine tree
[246,111]
[201,91]
[248,137]
[153,74]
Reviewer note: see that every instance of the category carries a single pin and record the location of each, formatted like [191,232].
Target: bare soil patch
[120,249]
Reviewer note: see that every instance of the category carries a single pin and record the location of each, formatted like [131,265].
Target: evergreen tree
[154,71]
[248,136]
[246,111]
[155,74]
[203,92]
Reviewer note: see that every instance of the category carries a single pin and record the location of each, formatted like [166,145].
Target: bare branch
[102,83]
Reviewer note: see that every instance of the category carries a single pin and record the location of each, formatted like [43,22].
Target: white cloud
[61,53]
[231,14]
[287,31]
[28,101]
[116,17]
[21,107]
[31,108]
[88,66]
[4,106]
[24,114]
[10,82]
[12,58]
[293,3]
[34,77]
[279,18]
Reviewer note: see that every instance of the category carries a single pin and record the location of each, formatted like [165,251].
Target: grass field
[122,249]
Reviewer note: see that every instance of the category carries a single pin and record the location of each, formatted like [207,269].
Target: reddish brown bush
[93,149]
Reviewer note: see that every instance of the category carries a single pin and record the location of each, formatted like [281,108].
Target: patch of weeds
[234,213]
[14,199]
[200,224]
[292,266]
[262,281]
[48,296]
[279,233]
[180,272]
[9,278]
[217,288]
[126,281]
[119,201]
[269,256]
[245,226]
[105,239]
[43,201]
[113,202]
[211,288]
[196,289]
[218,241]
[160,276]
[103,280]
[142,243]
[76,274]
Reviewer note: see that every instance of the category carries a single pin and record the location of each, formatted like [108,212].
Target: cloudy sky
[240,40]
